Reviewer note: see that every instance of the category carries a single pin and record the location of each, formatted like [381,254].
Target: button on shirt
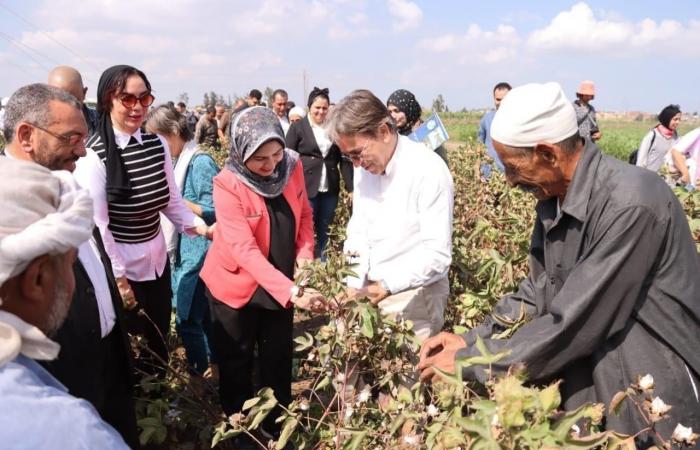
[324,145]
[142,261]
[89,257]
[401,224]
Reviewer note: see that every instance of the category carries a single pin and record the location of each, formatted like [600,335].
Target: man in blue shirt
[499,91]
[45,219]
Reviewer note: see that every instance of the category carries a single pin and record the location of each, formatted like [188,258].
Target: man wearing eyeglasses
[401,224]
[45,124]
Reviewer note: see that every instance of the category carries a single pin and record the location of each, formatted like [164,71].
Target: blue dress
[36,412]
[192,250]
[189,299]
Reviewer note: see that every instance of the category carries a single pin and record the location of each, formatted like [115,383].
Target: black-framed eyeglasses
[72,139]
[129,100]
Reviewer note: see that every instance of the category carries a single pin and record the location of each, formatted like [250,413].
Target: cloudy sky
[642,55]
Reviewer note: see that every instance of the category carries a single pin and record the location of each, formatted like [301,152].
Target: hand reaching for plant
[310,300]
[439,351]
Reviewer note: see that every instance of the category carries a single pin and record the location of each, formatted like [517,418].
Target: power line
[12,41]
[73,52]
[18,43]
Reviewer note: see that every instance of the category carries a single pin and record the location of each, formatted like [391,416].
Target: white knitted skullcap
[534,113]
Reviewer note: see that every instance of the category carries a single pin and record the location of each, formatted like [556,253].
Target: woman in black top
[322,163]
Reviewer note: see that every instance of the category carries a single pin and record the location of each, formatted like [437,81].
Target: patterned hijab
[250,129]
[406,102]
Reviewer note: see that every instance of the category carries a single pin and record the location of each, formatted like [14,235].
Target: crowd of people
[115,216]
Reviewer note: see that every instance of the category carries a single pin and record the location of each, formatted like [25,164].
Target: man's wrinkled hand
[439,352]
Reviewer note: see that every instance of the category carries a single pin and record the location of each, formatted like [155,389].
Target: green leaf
[259,417]
[288,428]
[357,437]
[305,342]
[367,326]
[250,403]
[550,398]
[145,435]
[323,383]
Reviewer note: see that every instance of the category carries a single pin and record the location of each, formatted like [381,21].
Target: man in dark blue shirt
[499,91]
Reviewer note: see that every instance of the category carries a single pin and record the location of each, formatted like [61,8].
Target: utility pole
[305,86]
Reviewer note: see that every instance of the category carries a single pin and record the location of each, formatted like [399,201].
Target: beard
[60,306]
[50,158]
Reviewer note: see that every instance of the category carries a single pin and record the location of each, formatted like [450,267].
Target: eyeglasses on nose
[356,154]
[130,100]
[71,139]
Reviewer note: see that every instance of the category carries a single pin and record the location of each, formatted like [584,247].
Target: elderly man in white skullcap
[45,218]
[613,290]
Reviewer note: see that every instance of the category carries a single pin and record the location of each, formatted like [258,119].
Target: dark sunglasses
[71,139]
[130,100]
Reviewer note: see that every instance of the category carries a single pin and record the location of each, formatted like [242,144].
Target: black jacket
[300,137]
[97,369]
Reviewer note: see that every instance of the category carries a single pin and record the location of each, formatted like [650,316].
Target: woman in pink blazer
[264,229]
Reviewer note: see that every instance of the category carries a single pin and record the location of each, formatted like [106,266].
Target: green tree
[184,98]
[267,94]
[439,104]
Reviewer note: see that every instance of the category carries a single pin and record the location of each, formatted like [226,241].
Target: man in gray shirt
[614,286]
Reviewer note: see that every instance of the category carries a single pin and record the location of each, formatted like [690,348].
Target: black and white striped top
[137,220]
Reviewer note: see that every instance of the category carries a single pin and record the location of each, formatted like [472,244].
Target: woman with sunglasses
[130,177]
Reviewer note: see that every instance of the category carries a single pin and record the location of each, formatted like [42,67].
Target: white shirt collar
[313,124]
[122,138]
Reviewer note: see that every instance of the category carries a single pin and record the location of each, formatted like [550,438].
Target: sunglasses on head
[130,100]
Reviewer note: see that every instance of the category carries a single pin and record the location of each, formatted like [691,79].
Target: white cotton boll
[658,407]
[349,411]
[683,434]
[364,395]
[646,382]
[410,440]
[433,410]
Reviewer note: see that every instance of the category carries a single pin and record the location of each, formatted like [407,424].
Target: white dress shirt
[284,121]
[401,224]
[89,257]
[146,260]
[324,144]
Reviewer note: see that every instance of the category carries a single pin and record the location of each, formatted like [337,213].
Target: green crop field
[620,137]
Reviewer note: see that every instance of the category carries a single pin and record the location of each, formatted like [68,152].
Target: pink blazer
[237,259]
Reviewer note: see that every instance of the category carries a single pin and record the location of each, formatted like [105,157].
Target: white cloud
[407,14]
[476,45]
[581,29]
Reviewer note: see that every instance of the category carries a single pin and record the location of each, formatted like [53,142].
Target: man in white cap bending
[45,218]
[613,290]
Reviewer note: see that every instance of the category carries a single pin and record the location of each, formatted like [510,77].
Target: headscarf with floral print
[251,128]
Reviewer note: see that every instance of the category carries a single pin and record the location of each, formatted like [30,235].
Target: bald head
[68,79]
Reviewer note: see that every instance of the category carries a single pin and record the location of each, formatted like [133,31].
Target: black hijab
[316,92]
[118,185]
[406,102]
